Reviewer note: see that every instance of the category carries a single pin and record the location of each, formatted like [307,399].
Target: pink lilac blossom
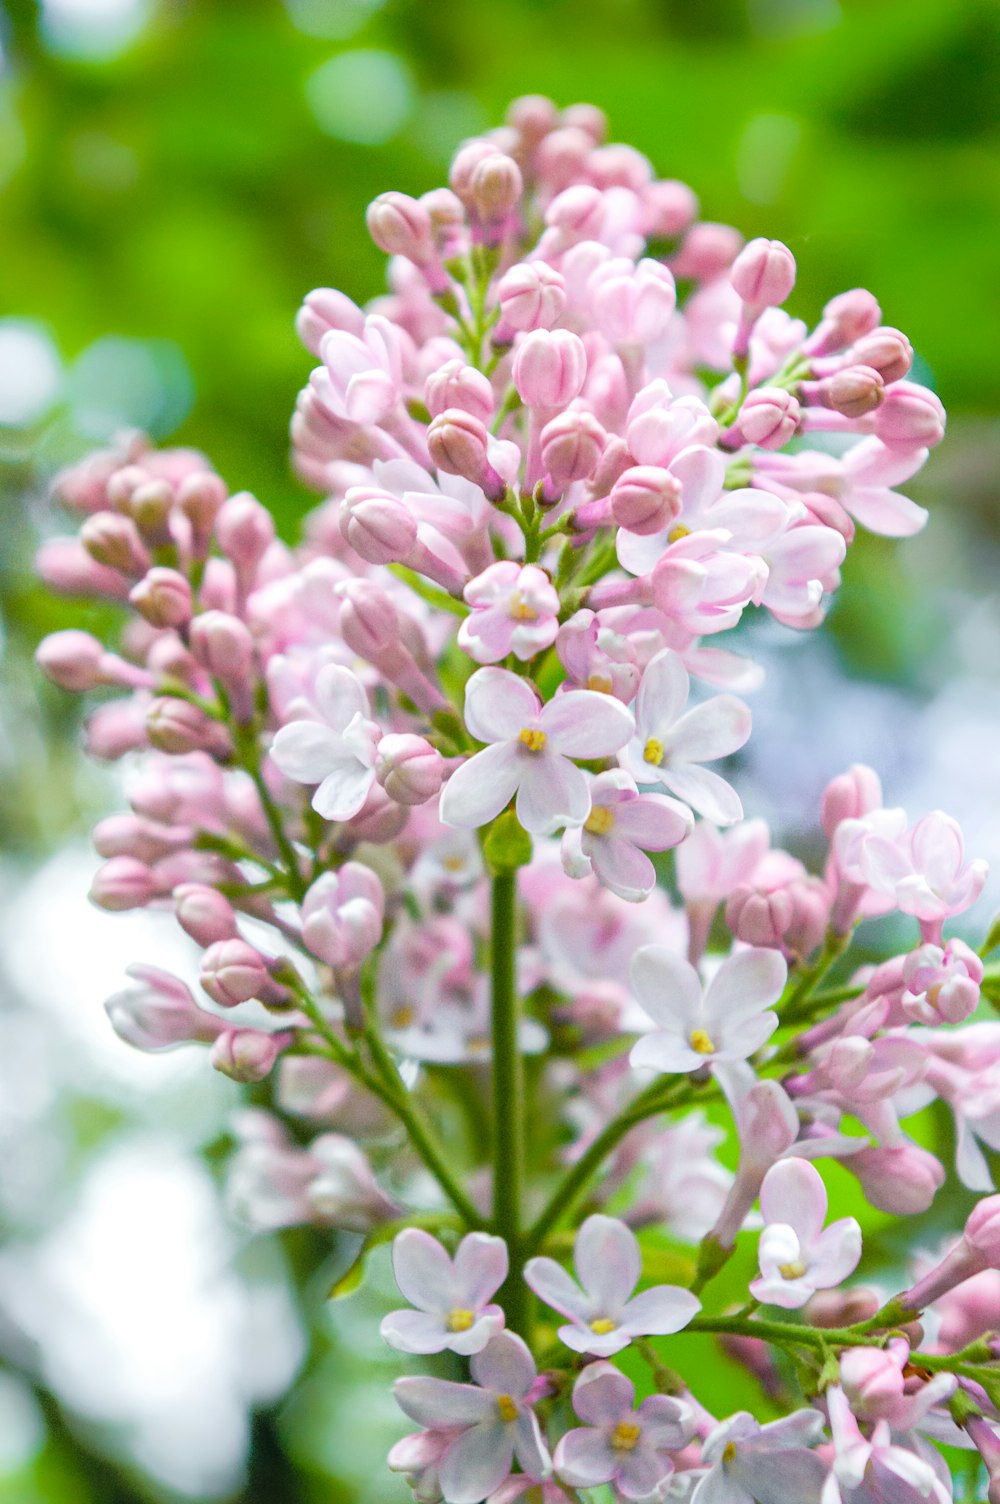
[797,1254]
[694,1028]
[452,1296]
[621,1443]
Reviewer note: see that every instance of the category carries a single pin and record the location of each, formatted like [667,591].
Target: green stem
[508,1096]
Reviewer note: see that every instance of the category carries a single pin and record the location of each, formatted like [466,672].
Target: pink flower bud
[401,226]
[645,499]
[759,918]
[377,525]
[571,445]
[247,1054]
[234,972]
[532,296]
[902,1182]
[150,506]
[323,310]
[199,499]
[549,368]
[494,188]
[342,915]
[833,1308]
[532,116]
[131,835]
[911,417]
[175,726]
[669,207]
[590,119]
[464,164]
[163,598]
[74,660]
[457,443]
[853,391]
[222,644]
[458,385]
[763,274]
[887,351]
[369,621]
[846,318]
[245,531]
[113,540]
[849,796]
[409,769]
[123,482]
[561,159]
[121,884]
[66,566]
[982,1232]
[380,818]
[708,250]
[769,417]
[204,913]
[158,1012]
[576,214]
[116,729]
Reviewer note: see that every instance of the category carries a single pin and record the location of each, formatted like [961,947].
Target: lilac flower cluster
[433,793]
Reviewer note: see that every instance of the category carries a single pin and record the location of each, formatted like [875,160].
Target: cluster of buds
[432,792]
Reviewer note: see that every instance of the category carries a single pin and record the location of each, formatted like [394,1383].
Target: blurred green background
[175,176]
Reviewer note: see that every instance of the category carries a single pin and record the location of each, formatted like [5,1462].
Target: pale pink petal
[603,1394]
[653,821]
[556,1288]
[576,863]
[506,1366]
[304,750]
[478,790]
[793,1193]
[706,792]
[746,981]
[487,1325]
[744,1037]
[702,474]
[608,1263]
[369,396]
[477,1462]
[836,1253]
[585,1458]
[423,1270]
[581,723]
[885,512]
[659,1312]
[344,789]
[662,694]
[553,792]
[529,1445]
[415,1332]
[499,704]
[439,1402]
[669,1053]
[667,987]
[806,553]
[339,696]
[481,1266]
[622,867]
[715,729]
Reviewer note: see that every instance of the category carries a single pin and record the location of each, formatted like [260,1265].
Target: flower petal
[714,729]
[478,789]
[423,1270]
[622,867]
[582,723]
[667,988]
[585,1458]
[659,1312]
[477,1462]
[553,792]
[608,1263]
[481,1266]
[705,791]
[556,1288]
[746,982]
[339,696]
[344,789]
[662,694]
[498,704]
[304,750]
[506,1366]
[415,1332]
[440,1403]
[793,1194]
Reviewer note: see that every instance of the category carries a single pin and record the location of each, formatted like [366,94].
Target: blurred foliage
[187,189]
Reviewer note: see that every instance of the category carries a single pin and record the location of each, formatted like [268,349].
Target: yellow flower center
[602,1326]
[701,1040]
[653,751]
[625,1435]
[520,609]
[677,533]
[454,863]
[599,821]
[729,1452]
[795,1270]
[459,1320]
[507,1408]
[403,1017]
[532,738]
[599,683]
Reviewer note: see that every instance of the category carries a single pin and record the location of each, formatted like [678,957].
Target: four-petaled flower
[749,1462]
[530,752]
[337,751]
[493,1420]
[621,827]
[604,1316]
[451,1295]
[671,743]
[729,1021]
[515,609]
[798,1256]
[621,1444]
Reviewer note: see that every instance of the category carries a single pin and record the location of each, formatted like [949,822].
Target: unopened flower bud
[245,531]
[77,661]
[707,251]
[66,566]
[150,506]
[549,368]
[234,972]
[222,644]
[887,351]
[369,621]
[561,159]
[342,915]
[199,499]
[380,818]
[494,188]
[158,1012]
[532,296]
[532,116]
[377,525]
[409,769]
[768,417]
[853,391]
[833,1308]
[323,310]
[457,443]
[763,274]
[163,598]
[759,918]
[462,386]
[902,1182]
[204,913]
[571,446]
[846,319]
[176,726]
[113,540]
[401,226]
[645,499]
[589,118]
[246,1054]
[668,207]
[910,417]
[577,214]
[122,884]
[849,796]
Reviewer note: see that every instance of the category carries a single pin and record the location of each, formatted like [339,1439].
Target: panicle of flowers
[453,781]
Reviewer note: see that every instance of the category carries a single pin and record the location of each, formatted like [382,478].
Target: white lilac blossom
[530,752]
[797,1254]
[671,743]
[452,1296]
[493,1418]
[621,1443]
[605,1315]
[694,1026]
[565,452]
